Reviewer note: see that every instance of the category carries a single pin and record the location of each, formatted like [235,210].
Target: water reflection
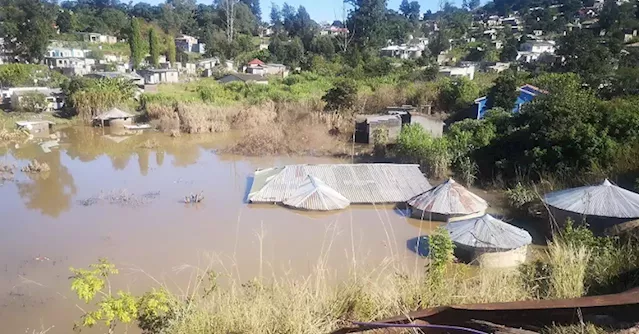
[49,193]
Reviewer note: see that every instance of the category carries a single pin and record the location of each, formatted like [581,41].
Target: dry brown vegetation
[269,128]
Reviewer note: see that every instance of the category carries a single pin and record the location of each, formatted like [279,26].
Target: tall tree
[135,44]
[171,50]
[288,17]
[410,10]
[154,48]
[275,16]
[504,93]
[254,5]
[470,5]
[67,22]
[440,43]
[27,27]
[366,20]
[510,50]
[584,55]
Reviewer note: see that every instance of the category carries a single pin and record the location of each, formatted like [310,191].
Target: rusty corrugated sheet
[359,183]
[529,314]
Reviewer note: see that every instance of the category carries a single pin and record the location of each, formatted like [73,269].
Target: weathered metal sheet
[313,194]
[449,198]
[528,314]
[359,183]
[604,200]
[487,232]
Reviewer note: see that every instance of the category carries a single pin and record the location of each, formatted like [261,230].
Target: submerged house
[366,125]
[447,202]
[40,128]
[601,206]
[113,117]
[331,186]
[526,94]
[489,241]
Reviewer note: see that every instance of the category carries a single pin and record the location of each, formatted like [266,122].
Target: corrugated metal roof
[359,183]
[604,200]
[449,198]
[487,232]
[313,194]
[113,114]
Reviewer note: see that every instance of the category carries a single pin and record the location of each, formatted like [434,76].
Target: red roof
[256,61]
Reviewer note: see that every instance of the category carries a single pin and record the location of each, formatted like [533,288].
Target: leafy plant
[440,255]
[520,196]
[342,96]
[380,140]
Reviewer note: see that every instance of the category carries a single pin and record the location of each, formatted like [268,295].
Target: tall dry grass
[569,265]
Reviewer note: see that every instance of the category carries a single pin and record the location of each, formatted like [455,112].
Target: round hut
[313,194]
[489,241]
[601,206]
[447,201]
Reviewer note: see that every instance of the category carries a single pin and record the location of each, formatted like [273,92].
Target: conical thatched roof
[487,232]
[448,198]
[113,113]
[604,200]
[314,194]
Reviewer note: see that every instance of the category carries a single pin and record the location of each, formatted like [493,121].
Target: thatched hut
[601,206]
[113,117]
[313,194]
[447,201]
[489,241]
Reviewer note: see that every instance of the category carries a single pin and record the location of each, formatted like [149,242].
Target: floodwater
[76,213]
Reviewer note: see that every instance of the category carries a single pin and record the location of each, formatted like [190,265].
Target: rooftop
[113,113]
[358,183]
[247,77]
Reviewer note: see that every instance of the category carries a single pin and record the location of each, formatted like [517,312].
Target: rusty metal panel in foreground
[529,314]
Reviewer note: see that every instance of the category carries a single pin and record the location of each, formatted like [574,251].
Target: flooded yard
[122,197]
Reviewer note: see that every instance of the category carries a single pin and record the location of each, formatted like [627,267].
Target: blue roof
[527,94]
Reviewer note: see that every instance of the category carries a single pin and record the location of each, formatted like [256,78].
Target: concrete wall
[511,258]
[433,126]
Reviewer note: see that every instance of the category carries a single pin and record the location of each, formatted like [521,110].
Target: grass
[569,265]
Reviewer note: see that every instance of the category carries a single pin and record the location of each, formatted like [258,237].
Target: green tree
[509,50]
[294,52]
[440,43]
[67,22]
[342,96]
[33,102]
[366,20]
[276,17]
[254,6]
[154,48]
[135,44]
[503,94]
[171,50]
[458,93]
[323,45]
[585,56]
[410,10]
[27,27]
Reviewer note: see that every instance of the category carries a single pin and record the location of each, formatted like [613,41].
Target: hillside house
[526,94]
[91,37]
[458,71]
[132,77]
[64,52]
[243,77]
[71,65]
[401,51]
[156,76]
[188,43]
[333,31]
[256,66]
[532,50]
[54,97]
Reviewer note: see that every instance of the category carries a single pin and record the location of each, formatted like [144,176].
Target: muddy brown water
[77,213]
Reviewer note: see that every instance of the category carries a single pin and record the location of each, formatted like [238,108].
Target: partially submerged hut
[366,125]
[39,128]
[489,241]
[113,117]
[447,201]
[314,194]
[601,206]
[358,183]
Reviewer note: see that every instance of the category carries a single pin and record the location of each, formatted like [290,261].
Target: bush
[342,96]
[33,102]
[519,196]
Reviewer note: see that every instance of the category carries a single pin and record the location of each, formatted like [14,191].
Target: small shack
[39,128]
[366,125]
[446,202]
[489,241]
[113,117]
[357,183]
[410,115]
[601,206]
[314,194]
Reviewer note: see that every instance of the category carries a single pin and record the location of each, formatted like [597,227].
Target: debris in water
[35,167]
[6,173]
[120,197]
[194,198]
[41,258]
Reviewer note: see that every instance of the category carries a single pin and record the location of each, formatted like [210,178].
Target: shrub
[519,196]
[342,96]
[33,102]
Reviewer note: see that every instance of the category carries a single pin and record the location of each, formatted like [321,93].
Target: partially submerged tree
[135,44]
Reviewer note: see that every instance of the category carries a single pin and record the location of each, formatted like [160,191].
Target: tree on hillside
[586,57]
[342,96]
[470,5]
[154,48]
[27,27]
[366,20]
[410,10]
[439,44]
[135,44]
[276,17]
[171,50]
[67,22]
[323,45]
[504,92]
[254,5]
[509,50]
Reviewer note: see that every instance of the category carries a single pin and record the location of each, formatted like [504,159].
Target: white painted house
[532,50]
[459,71]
